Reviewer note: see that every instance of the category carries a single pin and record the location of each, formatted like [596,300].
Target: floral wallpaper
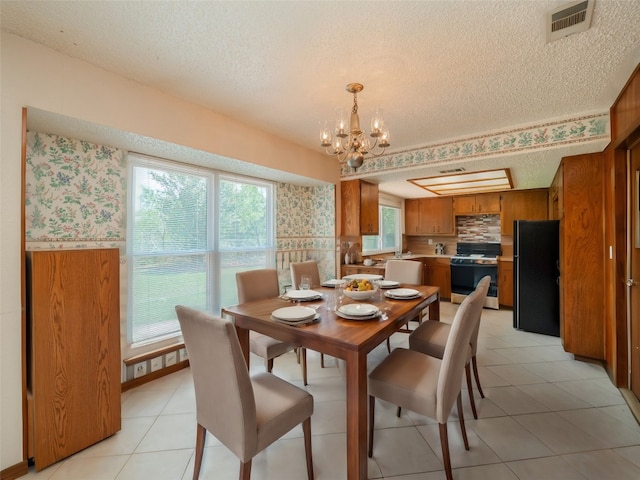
[75,193]
[548,135]
[76,198]
[305,228]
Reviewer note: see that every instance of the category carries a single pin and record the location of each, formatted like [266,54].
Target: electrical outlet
[431,241]
[170,359]
[183,354]
[139,369]
[156,364]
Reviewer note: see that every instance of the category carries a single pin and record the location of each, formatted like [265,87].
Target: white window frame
[214,284]
[390,202]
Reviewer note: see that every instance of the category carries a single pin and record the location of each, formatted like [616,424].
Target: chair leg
[372,406]
[201,433]
[388,345]
[472,401]
[303,364]
[399,412]
[245,470]
[322,360]
[463,429]
[269,365]
[474,363]
[444,443]
[306,429]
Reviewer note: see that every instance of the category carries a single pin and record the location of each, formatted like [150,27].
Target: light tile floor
[545,416]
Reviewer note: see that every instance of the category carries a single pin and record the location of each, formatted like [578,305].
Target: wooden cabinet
[73,335]
[429,216]
[580,190]
[522,205]
[359,208]
[477,204]
[505,283]
[359,269]
[438,273]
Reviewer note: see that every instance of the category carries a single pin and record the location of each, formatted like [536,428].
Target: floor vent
[570,18]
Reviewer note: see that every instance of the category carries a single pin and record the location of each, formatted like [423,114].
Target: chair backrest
[225,403]
[309,268]
[456,352]
[483,286]
[257,284]
[403,271]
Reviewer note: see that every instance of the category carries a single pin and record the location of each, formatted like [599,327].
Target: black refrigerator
[536,290]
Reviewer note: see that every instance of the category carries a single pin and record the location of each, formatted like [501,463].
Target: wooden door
[412,216]
[634,274]
[74,369]
[369,218]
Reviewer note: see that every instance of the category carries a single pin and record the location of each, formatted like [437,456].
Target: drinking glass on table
[305,282]
[335,301]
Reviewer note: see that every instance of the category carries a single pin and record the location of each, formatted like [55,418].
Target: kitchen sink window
[390,237]
[191,230]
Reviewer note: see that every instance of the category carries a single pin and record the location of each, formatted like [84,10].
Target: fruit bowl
[359,289]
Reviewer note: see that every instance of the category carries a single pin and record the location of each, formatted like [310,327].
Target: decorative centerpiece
[360,289]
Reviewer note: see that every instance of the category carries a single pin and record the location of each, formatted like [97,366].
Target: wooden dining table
[349,340]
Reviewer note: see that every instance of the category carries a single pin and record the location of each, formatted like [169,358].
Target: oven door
[465,277]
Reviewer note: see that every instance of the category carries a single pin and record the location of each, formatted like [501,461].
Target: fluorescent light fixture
[468,182]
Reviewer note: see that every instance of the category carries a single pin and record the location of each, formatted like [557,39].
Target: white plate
[363,276]
[388,283]
[332,283]
[297,323]
[293,314]
[357,317]
[358,309]
[303,294]
[402,293]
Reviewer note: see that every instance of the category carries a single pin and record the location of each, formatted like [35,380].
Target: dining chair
[428,385]
[309,268]
[257,285]
[431,337]
[404,271]
[246,413]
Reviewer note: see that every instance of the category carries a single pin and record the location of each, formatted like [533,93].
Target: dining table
[346,339]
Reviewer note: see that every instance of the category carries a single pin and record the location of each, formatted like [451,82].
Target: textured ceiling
[439,69]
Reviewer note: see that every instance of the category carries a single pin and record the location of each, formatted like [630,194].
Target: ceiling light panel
[462,183]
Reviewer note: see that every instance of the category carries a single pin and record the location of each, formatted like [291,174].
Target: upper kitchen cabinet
[359,208]
[477,204]
[429,216]
[522,205]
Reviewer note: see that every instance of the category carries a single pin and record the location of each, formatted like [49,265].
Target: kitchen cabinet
[360,269]
[73,338]
[429,216]
[522,205]
[438,273]
[359,208]
[476,204]
[579,185]
[505,283]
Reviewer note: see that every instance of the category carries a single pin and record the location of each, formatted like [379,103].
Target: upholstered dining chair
[257,285]
[246,413]
[431,337]
[309,268]
[404,271]
[428,385]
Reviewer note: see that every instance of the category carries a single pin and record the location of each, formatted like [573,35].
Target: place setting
[358,311]
[295,316]
[302,295]
[402,294]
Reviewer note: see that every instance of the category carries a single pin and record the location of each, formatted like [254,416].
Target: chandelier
[352,144]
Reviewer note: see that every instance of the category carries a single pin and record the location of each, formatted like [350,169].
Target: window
[190,230]
[389,239]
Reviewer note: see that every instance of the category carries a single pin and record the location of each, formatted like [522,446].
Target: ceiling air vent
[570,18]
[453,170]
